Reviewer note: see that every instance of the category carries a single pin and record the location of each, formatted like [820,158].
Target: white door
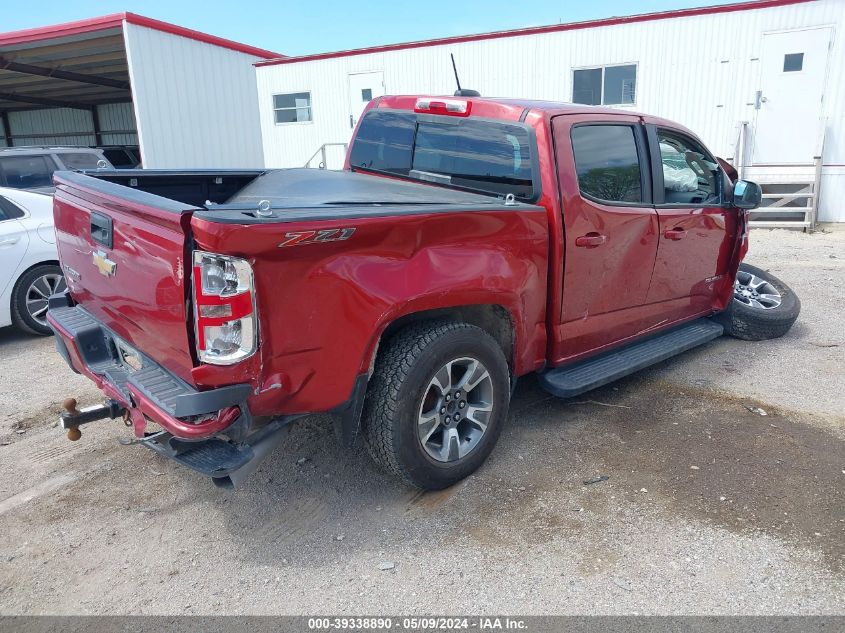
[789,102]
[363,87]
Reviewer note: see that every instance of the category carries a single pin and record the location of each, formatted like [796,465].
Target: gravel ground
[709,508]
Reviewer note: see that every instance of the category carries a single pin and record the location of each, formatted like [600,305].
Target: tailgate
[123,253]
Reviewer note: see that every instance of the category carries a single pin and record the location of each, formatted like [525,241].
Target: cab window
[479,155]
[690,174]
[607,162]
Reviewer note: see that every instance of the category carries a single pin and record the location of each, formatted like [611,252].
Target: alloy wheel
[455,409]
[39,292]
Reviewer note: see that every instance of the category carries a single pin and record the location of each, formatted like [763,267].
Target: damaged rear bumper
[192,420]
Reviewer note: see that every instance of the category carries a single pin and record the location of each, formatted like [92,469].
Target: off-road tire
[755,324]
[20,315]
[402,372]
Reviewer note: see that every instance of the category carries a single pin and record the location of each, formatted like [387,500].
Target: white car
[29,264]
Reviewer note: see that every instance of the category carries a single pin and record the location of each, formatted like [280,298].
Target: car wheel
[30,295]
[436,403]
[763,307]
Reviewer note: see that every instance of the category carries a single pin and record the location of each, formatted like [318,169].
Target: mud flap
[347,417]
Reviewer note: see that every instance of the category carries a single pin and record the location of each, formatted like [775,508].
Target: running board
[228,464]
[572,380]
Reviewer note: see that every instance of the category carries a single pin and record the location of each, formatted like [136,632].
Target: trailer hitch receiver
[71,417]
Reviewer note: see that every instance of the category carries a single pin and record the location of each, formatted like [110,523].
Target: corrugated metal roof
[83,63]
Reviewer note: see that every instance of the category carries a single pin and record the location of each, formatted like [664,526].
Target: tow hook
[71,417]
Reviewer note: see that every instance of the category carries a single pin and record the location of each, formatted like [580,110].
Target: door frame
[562,329]
[349,76]
[759,88]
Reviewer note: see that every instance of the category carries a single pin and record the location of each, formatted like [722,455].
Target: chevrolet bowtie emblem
[104,264]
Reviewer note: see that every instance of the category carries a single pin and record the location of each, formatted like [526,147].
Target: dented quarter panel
[323,306]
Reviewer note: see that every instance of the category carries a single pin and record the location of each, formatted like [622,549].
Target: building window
[793,62]
[292,108]
[605,85]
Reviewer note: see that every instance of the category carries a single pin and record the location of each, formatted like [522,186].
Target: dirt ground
[709,507]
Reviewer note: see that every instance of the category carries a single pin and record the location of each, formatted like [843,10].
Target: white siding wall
[195,103]
[117,117]
[38,127]
[66,126]
[700,71]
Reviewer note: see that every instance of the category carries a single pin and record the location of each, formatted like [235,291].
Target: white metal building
[761,82]
[187,98]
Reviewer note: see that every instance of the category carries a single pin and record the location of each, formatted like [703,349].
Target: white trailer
[760,82]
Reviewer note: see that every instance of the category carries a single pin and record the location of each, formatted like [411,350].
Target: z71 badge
[316,237]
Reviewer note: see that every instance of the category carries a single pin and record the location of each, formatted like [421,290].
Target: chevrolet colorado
[467,242]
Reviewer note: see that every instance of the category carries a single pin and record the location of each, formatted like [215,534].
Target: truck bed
[293,194]
[137,281]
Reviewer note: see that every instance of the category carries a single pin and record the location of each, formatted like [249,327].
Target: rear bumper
[149,392]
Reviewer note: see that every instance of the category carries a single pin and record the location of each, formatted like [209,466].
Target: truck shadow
[675,453]
[11,338]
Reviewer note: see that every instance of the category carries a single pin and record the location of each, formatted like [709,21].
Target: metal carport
[187,98]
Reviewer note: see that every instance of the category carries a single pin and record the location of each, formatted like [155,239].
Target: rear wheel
[763,307]
[436,403]
[30,295]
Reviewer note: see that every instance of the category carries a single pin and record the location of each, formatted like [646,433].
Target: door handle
[674,234]
[590,240]
[351,121]
[10,241]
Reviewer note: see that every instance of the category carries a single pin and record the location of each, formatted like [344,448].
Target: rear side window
[9,210]
[485,156]
[26,172]
[385,142]
[119,157]
[79,160]
[607,162]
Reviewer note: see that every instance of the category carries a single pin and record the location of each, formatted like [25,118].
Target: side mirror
[747,195]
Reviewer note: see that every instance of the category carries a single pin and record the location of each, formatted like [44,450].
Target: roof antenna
[461,92]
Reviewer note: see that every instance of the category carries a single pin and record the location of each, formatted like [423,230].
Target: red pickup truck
[467,242]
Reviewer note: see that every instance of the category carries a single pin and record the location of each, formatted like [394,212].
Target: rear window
[26,172]
[486,156]
[80,160]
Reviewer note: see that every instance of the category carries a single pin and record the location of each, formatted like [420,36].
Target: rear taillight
[224,308]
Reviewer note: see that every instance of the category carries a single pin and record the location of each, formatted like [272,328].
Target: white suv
[32,168]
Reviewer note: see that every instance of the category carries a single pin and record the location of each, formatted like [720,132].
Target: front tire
[436,403]
[763,307]
[30,295]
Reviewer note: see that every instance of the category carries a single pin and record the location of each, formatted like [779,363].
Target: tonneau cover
[290,188]
[316,194]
